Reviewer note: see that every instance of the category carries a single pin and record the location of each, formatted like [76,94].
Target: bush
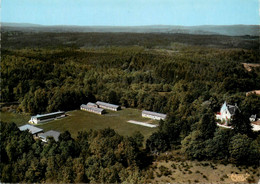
[165,171]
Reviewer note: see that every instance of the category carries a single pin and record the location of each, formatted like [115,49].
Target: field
[18,119]
[81,120]
[172,168]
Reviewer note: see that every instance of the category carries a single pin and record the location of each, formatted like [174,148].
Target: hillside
[230,30]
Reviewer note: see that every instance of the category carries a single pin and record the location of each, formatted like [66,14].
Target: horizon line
[129,25]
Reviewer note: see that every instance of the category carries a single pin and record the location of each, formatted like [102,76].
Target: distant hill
[230,30]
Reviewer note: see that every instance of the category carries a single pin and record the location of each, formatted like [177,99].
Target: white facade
[46,117]
[108,106]
[226,113]
[92,109]
[153,115]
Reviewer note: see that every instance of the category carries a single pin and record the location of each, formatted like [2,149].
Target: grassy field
[18,119]
[171,169]
[81,120]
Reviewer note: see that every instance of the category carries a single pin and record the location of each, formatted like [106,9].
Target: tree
[239,148]
[158,141]
[207,125]
[241,124]
[138,138]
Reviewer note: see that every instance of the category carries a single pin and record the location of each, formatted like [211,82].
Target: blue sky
[131,12]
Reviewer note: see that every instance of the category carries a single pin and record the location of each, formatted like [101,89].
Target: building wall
[224,114]
[37,121]
[91,110]
[107,107]
[152,116]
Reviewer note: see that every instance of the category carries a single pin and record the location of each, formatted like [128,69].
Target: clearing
[78,120]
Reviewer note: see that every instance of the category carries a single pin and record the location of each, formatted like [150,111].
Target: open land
[81,120]
[170,167]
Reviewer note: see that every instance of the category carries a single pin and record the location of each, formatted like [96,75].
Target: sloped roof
[90,107]
[91,104]
[50,133]
[107,104]
[154,113]
[49,114]
[32,129]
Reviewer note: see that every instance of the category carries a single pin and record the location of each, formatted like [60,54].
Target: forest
[187,81]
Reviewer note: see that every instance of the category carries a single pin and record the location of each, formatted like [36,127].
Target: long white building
[90,108]
[46,117]
[153,115]
[108,106]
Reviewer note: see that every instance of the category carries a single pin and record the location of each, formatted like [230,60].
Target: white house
[227,112]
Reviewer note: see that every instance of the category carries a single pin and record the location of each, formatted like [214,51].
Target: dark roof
[253,116]
[50,133]
[32,129]
[232,109]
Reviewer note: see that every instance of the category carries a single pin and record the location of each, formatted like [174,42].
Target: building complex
[91,108]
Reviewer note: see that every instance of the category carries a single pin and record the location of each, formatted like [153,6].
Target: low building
[50,133]
[108,106]
[32,129]
[253,118]
[85,107]
[90,104]
[153,115]
[226,113]
[46,117]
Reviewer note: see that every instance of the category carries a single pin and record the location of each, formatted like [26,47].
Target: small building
[227,112]
[96,110]
[252,118]
[50,133]
[32,129]
[108,106]
[153,115]
[46,117]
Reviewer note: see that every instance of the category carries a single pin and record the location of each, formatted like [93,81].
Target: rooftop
[49,114]
[107,104]
[91,104]
[94,108]
[154,113]
[32,129]
[50,133]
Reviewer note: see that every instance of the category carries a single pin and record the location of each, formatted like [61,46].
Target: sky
[131,12]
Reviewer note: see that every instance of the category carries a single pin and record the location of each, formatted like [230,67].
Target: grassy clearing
[172,169]
[81,120]
[18,119]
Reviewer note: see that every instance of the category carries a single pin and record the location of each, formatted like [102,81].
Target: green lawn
[78,120]
[18,119]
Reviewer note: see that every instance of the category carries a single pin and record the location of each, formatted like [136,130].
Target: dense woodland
[189,82]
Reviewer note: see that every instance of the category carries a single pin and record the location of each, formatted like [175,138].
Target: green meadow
[78,120]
